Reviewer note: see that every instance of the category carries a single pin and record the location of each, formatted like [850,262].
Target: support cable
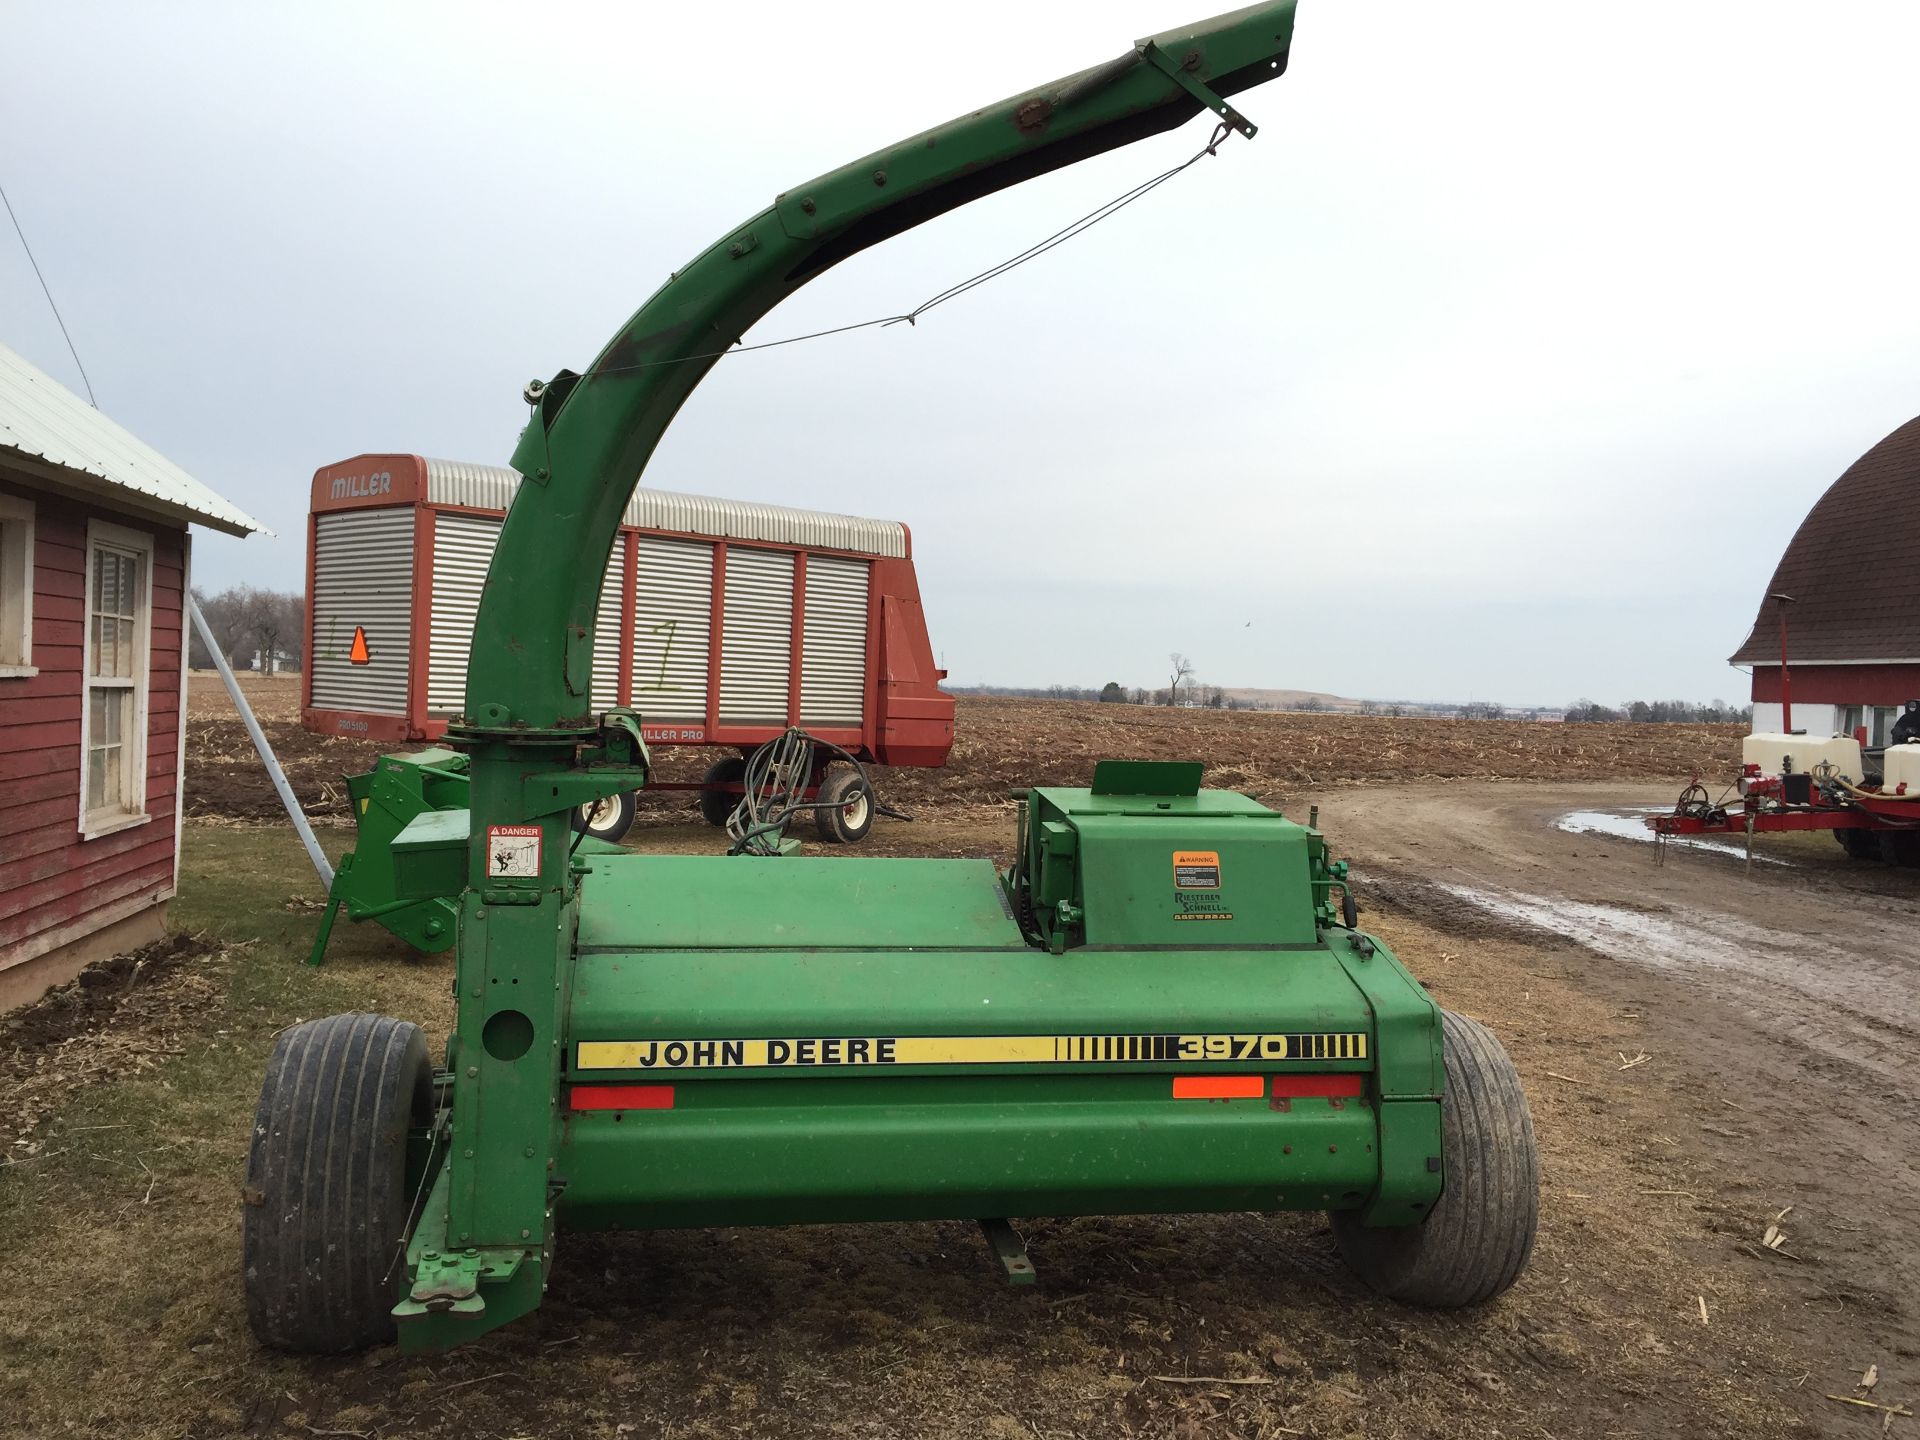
[953,292]
[58,320]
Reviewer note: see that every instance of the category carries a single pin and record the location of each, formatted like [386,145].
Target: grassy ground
[124,1207]
[124,1315]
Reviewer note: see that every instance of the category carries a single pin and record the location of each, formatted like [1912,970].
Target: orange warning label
[1196,869]
[358,654]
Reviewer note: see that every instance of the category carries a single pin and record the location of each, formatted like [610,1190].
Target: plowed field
[1270,754]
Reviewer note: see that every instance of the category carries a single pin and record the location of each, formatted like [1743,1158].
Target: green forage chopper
[1162,1006]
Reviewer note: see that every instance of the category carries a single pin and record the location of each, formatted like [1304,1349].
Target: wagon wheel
[608,818]
[716,804]
[845,812]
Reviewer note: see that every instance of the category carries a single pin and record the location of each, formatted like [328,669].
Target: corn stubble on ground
[1661,1177]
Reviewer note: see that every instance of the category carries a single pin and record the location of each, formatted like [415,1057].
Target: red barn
[1853,633]
[93,577]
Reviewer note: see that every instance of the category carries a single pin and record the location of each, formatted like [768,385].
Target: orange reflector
[1219,1087]
[1303,1087]
[620,1097]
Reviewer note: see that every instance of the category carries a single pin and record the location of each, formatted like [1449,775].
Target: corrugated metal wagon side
[723,622]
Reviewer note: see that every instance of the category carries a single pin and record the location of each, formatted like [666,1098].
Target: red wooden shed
[94,551]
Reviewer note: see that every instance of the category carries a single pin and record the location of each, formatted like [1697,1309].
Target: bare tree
[273,624]
[1182,671]
[252,627]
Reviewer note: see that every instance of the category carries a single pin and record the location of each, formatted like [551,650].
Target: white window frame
[16,606]
[102,534]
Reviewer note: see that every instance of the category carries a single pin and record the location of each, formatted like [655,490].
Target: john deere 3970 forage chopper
[1160,1007]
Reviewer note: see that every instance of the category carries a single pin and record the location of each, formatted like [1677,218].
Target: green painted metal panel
[909,1149]
[695,902]
[1211,869]
[1410,1058]
[430,854]
[663,995]
[1147,777]
[1411,1163]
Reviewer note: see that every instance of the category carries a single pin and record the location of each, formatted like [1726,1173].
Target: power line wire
[49,294]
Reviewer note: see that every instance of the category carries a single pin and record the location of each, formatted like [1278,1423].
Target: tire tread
[326,1181]
[1478,1238]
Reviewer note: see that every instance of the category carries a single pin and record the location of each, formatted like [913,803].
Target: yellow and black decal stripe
[845,1051]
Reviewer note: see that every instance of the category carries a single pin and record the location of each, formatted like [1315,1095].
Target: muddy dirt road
[1781,1011]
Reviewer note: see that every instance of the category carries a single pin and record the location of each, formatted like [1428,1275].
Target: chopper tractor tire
[327,1198]
[1477,1239]
[717,805]
[608,818]
[846,807]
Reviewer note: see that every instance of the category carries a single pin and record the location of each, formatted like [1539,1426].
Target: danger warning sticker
[513,851]
[839,1051]
[1196,869]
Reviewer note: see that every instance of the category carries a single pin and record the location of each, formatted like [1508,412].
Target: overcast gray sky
[1502,364]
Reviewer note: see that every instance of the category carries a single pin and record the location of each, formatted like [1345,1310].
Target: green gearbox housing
[1159,1007]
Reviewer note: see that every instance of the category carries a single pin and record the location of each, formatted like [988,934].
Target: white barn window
[16,588]
[113,721]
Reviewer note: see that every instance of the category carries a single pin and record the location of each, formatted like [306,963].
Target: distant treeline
[1661,712]
[1213,697]
[1210,697]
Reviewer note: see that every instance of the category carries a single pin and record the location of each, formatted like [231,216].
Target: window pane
[113,788]
[111,624]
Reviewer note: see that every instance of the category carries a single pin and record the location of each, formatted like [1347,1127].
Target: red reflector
[1218,1087]
[620,1097]
[1302,1087]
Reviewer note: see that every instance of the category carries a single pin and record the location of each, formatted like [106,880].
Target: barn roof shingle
[1850,567]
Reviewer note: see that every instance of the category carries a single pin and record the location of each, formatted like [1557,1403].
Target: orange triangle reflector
[358,654]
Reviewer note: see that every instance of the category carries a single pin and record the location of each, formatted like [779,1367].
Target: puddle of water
[1631,824]
[1626,934]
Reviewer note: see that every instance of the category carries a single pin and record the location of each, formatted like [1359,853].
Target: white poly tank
[1901,766]
[1772,752]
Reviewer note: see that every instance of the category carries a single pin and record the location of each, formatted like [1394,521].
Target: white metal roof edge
[460,482]
[43,421]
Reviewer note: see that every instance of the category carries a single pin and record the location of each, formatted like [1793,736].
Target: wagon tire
[845,812]
[327,1197]
[1476,1240]
[608,818]
[717,804]
[1859,844]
